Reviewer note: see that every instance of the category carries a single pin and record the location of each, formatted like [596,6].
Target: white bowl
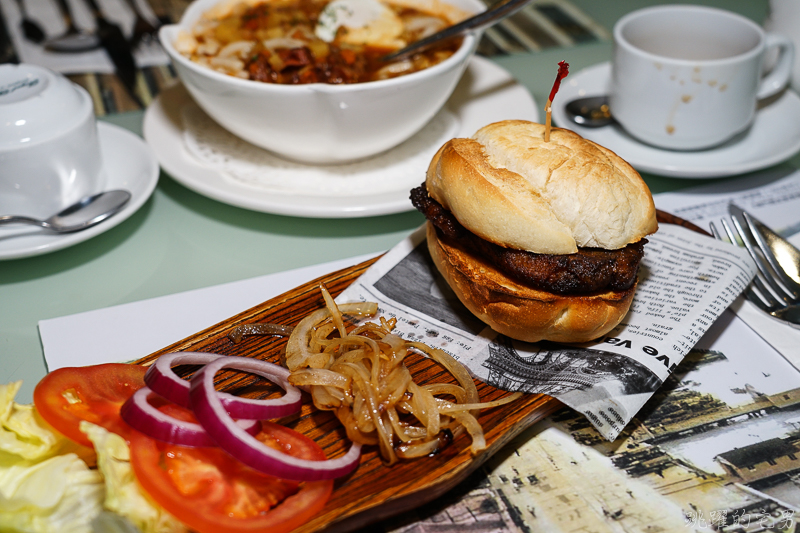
[320,123]
[49,148]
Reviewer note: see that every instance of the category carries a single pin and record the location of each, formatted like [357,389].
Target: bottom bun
[521,312]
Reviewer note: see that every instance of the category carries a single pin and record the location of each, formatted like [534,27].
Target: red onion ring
[211,414]
[141,415]
[162,379]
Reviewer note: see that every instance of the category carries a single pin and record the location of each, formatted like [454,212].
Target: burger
[541,240]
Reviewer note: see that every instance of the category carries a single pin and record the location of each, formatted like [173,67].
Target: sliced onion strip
[141,415]
[450,407]
[162,379]
[211,414]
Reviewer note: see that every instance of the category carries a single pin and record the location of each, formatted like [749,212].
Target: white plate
[773,137]
[487,93]
[128,163]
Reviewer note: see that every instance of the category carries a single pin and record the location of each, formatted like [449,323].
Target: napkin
[84,338]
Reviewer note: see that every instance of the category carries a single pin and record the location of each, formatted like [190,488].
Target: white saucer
[128,164]
[773,137]
[487,93]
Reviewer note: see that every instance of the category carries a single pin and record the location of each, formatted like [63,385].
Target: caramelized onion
[362,377]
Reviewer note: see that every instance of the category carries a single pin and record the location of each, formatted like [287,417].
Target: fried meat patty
[587,271]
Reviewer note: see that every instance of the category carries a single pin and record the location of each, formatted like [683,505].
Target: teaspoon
[589,112]
[81,215]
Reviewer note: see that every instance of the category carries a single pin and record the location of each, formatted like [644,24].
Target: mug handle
[778,78]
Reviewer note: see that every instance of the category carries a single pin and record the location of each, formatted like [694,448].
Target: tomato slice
[210,491]
[92,393]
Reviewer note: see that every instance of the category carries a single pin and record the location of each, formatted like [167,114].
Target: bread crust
[521,312]
[510,187]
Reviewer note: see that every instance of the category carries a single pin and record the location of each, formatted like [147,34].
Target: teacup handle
[778,78]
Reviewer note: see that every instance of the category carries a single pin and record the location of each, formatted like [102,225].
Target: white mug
[49,146]
[689,77]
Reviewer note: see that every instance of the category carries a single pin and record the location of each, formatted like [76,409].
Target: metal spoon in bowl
[81,215]
[589,112]
[491,16]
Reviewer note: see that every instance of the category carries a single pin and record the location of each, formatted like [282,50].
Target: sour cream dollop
[367,22]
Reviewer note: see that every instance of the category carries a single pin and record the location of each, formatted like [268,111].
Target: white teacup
[49,146]
[689,77]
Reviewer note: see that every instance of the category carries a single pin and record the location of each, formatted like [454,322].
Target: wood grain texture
[375,491]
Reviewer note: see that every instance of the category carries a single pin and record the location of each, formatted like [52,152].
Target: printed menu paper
[686,280]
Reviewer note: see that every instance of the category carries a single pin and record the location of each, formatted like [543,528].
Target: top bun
[508,186]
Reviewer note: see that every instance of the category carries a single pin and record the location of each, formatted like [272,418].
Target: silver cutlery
[589,111]
[79,216]
[773,290]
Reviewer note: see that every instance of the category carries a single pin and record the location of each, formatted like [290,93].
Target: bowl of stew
[305,80]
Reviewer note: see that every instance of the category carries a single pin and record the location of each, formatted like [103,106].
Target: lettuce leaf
[39,490]
[22,432]
[123,495]
[57,494]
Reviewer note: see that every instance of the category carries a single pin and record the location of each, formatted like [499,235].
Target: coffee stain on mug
[670,125]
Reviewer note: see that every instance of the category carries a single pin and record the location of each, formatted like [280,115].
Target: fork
[772,290]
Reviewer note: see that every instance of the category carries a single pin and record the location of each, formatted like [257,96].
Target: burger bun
[521,312]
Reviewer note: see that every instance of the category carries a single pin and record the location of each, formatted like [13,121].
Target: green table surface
[180,240]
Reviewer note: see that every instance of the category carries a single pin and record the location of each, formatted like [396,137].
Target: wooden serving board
[374,491]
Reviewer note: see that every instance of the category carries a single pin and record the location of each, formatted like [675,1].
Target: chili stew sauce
[275,42]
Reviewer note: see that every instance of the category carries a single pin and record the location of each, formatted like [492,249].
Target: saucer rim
[113,141]
[599,75]
[166,139]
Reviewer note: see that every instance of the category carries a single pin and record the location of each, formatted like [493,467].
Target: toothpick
[548,113]
[563,70]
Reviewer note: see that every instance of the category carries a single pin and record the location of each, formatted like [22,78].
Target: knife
[118,50]
[784,259]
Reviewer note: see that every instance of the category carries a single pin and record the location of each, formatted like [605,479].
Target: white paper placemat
[85,338]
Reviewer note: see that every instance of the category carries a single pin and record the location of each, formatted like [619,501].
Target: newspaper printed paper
[686,280]
[773,197]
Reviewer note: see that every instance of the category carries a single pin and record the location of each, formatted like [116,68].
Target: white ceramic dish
[487,93]
[773,137]
[320,123]
[49,150]
[129,164]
